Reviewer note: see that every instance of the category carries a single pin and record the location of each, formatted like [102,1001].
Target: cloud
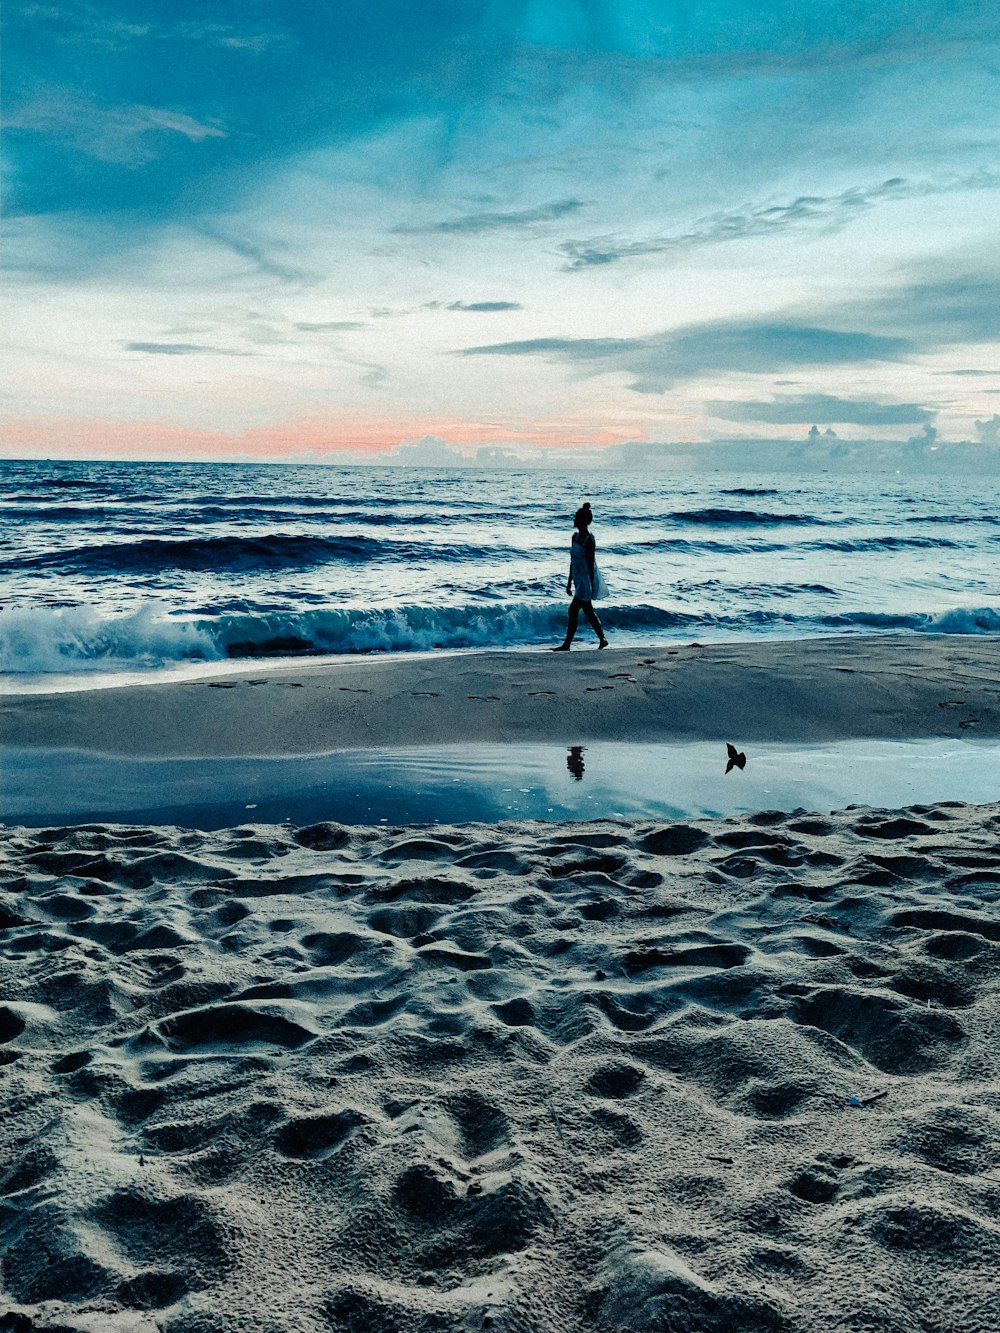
[263,260]
[430,451]
[956,309]
[331,326]
[296,78]
[821,407]
[259,42]
[476,224]
[374,376]
[916,444]
[989,431]
[570,349]
[893,325]
[123,135]
[748,346]
[284,80]
[177,121]
[296,136]
[484,307]
[831,211]
[182,349]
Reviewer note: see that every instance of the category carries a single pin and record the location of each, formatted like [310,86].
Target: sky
[293,230]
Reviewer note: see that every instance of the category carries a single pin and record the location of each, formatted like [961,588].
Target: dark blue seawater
[124,566]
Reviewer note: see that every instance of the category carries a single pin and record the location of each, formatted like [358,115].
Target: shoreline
[795,691]
[474,783]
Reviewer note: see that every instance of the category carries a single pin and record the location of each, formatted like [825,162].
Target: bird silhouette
[737,759]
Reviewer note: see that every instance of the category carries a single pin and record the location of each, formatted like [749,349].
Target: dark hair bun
[586,507]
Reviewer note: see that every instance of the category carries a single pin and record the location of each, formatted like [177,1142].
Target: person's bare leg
[591,614]
[572,621]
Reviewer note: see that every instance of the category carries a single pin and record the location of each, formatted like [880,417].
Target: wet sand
[767,690]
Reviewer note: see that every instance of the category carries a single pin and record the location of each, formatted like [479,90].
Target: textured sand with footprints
[521,1077]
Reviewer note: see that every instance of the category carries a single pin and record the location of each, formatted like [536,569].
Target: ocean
[112,567]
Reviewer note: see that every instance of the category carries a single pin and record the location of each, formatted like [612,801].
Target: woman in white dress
[584,582]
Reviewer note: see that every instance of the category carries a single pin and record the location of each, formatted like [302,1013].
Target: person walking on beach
[584,582]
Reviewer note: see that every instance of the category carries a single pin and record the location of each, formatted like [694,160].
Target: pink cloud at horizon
[81,437]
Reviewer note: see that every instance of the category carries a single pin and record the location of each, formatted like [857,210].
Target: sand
[798,690]
[697,1077]
[519,1077]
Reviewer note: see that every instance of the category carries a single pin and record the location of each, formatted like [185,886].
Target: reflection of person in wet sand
[574,761]
[584,580]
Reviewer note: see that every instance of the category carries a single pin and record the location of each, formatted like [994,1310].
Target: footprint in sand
[220,685]
[425,694]
[591,688]
[952,703]
[969,722]
[349,689]
[533,694]
[494,697]
[623,675]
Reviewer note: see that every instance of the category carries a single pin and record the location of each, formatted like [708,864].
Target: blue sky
[277,229]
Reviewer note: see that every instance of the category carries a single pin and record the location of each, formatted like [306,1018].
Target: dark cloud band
[823,409]
[661,360]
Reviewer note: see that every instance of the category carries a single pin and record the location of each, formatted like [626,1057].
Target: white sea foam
[42,640]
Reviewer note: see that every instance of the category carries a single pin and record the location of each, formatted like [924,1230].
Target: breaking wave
[45,640]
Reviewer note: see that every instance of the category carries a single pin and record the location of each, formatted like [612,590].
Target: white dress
[583,588]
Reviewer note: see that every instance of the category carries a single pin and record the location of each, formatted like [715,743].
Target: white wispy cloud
[807,210]
[123,135]
[475,224]
[183,349]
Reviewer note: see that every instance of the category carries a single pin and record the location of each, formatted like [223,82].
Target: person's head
[583,517]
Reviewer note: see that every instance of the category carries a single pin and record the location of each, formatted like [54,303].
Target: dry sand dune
[526,1077]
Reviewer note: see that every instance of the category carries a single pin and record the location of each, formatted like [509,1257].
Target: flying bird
[737,759]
